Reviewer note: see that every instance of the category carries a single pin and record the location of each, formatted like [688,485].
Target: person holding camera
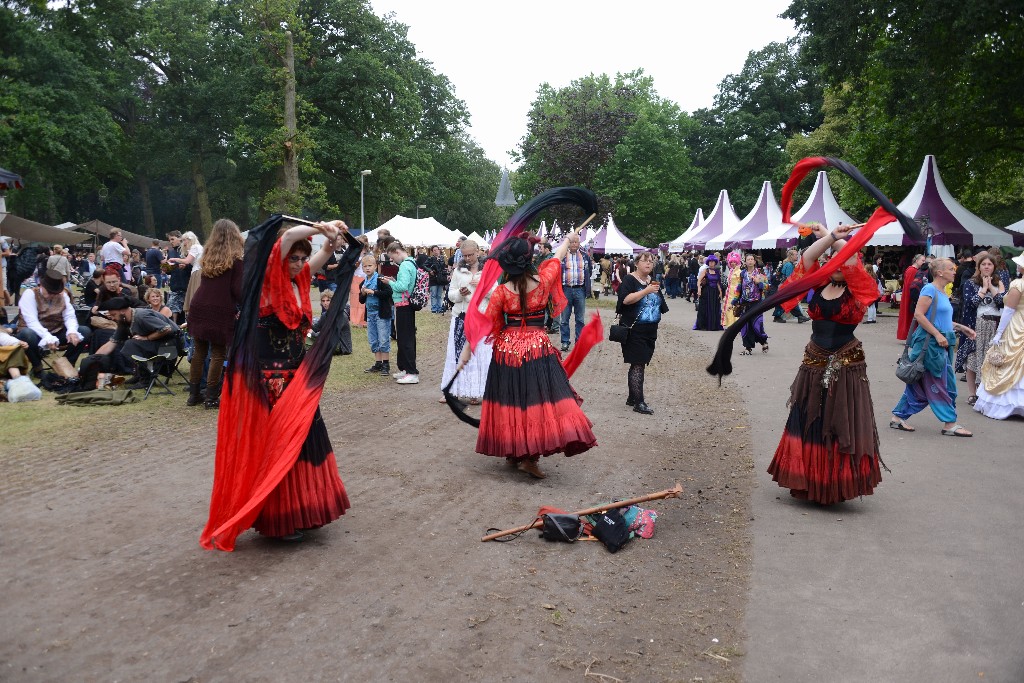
[640,307]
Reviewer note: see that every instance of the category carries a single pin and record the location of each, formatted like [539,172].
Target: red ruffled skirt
[312,493]
[829,450]
[529,408]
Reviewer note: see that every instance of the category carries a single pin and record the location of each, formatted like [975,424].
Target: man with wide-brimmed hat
[48,321]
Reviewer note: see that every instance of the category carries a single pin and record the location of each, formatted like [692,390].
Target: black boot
[212,396]
[385,368]
[195,396]
[375,368]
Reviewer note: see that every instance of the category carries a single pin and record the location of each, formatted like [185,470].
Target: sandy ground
[103,578]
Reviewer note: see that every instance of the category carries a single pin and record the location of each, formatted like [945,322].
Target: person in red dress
[275,469]
[908,302]
[529,408]
[828,452]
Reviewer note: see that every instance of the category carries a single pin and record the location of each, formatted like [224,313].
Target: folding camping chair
[162,365]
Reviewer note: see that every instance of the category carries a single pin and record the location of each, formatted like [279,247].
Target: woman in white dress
[469,386]
[1001,390]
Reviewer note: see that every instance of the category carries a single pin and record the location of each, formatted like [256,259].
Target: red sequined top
[503,301]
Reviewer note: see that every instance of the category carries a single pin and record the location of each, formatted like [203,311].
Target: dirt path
[103,578]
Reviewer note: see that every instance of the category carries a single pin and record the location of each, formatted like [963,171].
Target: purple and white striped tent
[678,244]
[722,221]
[820,207]
[953,224]
[1017,232]
[764,217]
[609,240]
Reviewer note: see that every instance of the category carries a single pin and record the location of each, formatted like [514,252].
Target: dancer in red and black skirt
[529,408]
[275,468]
[829,450]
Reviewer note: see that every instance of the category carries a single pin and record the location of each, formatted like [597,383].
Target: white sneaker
[399,375]
[410,379]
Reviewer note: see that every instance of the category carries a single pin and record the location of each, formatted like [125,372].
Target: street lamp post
[362,221]
[418,207]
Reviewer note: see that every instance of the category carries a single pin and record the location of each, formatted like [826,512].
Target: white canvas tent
[417,232]
[610,240]
[678,243]
[954,225]
[722,221]
[480,241]
[764,217]
[821,206]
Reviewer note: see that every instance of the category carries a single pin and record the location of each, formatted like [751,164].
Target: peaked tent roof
[102,230]
[723,220]
[821,206]
[542,232]
[505,196]
[764,217]
[480,240]
[417,232]
[952,223]
[30,231]
[677,243]
[1017,230]
[610,240]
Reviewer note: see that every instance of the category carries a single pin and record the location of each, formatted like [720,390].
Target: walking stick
[674,492]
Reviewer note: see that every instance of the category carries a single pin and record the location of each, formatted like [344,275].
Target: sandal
[972,400]
[956,430]
[747,352]
[764,348]
[901,425]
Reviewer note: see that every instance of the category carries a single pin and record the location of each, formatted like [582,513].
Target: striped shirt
[573,270]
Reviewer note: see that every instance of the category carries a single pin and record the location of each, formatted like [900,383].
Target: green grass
[45,423]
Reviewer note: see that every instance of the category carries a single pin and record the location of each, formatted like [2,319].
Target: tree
[939,79]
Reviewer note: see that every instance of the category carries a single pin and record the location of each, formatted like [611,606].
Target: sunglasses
[298,259]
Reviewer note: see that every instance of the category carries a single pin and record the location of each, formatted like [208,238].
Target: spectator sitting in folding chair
[47,322]
[140,333]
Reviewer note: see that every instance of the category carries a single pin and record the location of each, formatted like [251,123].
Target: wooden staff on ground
[667,493]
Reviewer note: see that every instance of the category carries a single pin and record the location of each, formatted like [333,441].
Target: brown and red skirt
[829,449]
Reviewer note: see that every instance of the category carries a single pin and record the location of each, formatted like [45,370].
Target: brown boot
[530,466]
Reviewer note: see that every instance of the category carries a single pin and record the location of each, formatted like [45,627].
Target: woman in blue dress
[640,307]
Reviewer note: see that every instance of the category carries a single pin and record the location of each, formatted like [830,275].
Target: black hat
[118,303]
[515,254]
[52,281]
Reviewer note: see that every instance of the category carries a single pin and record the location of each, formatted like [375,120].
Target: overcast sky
[497,54]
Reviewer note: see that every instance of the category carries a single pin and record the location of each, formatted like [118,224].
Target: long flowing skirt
[529,408]
[311,494]
[709,310]
[828,452]
[473,378]
[357,311]
[753,333]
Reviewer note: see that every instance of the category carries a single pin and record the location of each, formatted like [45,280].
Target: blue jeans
[576,297]
[436,298]
[378,332]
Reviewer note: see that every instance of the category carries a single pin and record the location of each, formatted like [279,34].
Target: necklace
[838,283]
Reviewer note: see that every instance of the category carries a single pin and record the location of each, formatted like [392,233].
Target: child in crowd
[344,346]
[376,295]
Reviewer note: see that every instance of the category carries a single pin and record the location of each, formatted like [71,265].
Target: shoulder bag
[911,371]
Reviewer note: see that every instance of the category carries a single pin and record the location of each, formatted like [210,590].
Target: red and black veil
[257,446]
[791,290]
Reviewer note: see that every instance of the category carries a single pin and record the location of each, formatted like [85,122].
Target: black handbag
[559,527]
[619,333]
[611,529]
[911,371]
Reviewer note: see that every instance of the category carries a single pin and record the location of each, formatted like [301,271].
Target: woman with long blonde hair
[211,315]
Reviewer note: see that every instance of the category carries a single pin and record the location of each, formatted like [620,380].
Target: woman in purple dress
[710,289]
[751,290]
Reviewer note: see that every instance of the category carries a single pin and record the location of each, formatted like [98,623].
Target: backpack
[419,297]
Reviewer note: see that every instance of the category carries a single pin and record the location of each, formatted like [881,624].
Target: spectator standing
[155,259]
[177,279]
[469,385]
[375,295]
[5,252]
[436,267]
[357,310]
[405,316]
[114,250]
[191,256]
[88,265]
[59,262]
[909,295]
[785,272]
[575,266]
[212,313]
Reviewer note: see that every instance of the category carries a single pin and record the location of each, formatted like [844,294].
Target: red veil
[257,446]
